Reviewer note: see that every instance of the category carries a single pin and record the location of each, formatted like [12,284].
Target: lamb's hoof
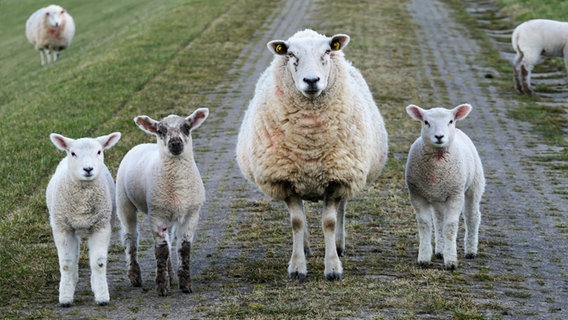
[471,256]
[334,276]
[65,305]
[451,266]
[103,303]
[297,276]
[162,290]
[424,264]
[307,251]
[439,256]
[340,252]
[186,289]
[134,275]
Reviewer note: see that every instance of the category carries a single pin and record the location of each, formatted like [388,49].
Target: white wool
[312,131]
[80,200]
[50,29]
[444,176]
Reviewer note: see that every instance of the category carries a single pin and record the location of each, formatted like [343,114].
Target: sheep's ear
[147,124]
[278,47]
[110,140]
[197,117]
[415,112]
[62,143]
[338,42]
[462,111]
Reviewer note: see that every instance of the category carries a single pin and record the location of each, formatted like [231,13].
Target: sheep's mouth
[311,93]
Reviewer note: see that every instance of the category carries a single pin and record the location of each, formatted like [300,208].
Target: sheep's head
[54,16]
[308,57]
[438,124]
[173,132]
[85,156]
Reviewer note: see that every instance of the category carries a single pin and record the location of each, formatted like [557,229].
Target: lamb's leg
[129,220]
[340,229]
[67,244]
[424,213]
[42,56]
[98,251]
[297,267]
[162,254]
[438,218]
[333,269]
[184,235]
[451,211]
[526,79]
[472,219]
[517,73]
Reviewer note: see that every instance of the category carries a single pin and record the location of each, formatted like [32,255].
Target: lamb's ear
[197,117]
[462,111]
[338,42]
[415,112]
[278,47]
[147,124]
[62,143]
[110,140]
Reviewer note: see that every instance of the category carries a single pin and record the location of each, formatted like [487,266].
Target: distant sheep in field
[50,29]
[533,39]
[80,200]
[162,180]
[444,177]
[312,132]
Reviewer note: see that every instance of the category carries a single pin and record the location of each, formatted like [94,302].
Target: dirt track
[523,237]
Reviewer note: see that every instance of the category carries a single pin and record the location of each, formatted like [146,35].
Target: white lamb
[312,132]
[533,39]
[80,200]
[444,177]
[163,181]
[50,29]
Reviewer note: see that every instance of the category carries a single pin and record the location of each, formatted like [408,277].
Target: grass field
[128,58]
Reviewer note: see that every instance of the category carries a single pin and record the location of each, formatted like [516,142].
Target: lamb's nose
[88,170]
[311,81]
[439,138]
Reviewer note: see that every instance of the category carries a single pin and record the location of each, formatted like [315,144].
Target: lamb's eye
[99,152]
[328,51]
[162,130]
[426,123]
[73,154]
[451,121]
[185,129]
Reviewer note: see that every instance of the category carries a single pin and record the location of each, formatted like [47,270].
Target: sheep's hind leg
[129,220]
[98,251]
[526,80]
[472,219]
[340,229]
[297,267]
[333,269]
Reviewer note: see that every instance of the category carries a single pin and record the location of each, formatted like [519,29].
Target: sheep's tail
[516,47]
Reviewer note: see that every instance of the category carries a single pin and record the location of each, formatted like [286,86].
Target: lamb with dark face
[162,180]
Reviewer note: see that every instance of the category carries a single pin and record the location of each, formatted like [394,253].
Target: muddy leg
[162,252]
[184,275]
[526,80]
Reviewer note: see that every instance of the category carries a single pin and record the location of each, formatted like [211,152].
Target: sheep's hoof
[103,303]
[297,276]
[439,256]
[471,256]
[424,264]
[134,275]
[333,276]
[185,289]
[307,251]
[451,266]
[341,252]
[65,305]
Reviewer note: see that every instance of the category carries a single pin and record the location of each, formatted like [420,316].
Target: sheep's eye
[185,129]
[99,152]
[161,130]
[73,154]
[426,123]
[328,51]
[451,121]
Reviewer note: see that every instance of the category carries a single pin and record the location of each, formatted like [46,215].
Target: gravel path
[524,239]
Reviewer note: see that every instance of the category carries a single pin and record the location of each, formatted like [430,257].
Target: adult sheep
[50,29]
[444,177]
[162,180]
[312,131]
[533,39]
[80,200]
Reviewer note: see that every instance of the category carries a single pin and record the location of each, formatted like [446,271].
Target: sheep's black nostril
[175,146]
[88,170]
[311,81]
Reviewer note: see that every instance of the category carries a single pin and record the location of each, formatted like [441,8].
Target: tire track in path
[214,155]
[523,240]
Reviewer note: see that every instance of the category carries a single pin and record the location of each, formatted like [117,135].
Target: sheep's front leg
[98,251]
[297,268]
[67,244]
[184,234]
[333,269]
[424,215]
[162,254]
[451,211]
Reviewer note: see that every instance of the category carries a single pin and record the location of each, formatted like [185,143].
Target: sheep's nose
[439,138]
[88,170]
[176,146]
[311,81]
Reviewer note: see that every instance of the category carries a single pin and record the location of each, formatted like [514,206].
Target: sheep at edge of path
[533,39]
[50,29]
[162,180]
[312,131]
[80,200]
[444,177]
